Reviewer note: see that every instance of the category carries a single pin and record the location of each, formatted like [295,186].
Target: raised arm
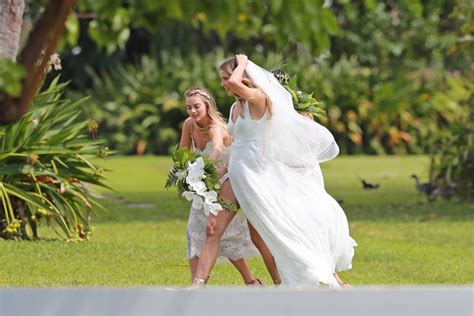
[253,95]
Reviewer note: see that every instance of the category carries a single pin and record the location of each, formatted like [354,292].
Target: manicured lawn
[402,238]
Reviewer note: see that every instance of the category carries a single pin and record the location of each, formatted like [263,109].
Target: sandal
[198,283]
[256,282]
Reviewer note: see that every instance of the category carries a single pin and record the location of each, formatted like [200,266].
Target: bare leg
[193,263]
[340,281]
[215,228]
[267,256]
[244,270]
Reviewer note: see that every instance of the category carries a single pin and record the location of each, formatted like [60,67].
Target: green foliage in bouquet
[302,101]
[177,178]
[46,171]
[196,178]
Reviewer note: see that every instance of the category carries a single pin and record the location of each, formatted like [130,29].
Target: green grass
[402,239]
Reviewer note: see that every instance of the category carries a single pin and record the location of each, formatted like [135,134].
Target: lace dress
[304,227]
[235,243]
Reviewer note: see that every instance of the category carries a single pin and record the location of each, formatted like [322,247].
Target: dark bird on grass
[446,191]
[367,185]
[426,188]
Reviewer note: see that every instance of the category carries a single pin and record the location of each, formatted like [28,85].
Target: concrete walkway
[402,301]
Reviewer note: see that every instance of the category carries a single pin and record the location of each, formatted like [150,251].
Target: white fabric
[235,243]
[281,191]
[289,136]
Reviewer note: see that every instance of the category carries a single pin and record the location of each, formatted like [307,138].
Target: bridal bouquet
[197,180]
[302,101]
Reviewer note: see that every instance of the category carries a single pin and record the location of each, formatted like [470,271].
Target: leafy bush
[46,171]
[140,107]
[376,112]
[453,161]
[384,80]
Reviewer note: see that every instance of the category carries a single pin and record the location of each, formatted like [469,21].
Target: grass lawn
[402,238]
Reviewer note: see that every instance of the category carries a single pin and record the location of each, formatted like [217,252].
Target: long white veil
[290,137]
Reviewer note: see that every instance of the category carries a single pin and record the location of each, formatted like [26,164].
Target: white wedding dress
[304,227]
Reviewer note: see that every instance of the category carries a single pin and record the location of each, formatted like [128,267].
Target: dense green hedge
[396,74]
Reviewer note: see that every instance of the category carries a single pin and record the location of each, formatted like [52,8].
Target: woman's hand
[242,60]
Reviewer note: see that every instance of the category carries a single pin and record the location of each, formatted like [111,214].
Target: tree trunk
[42,43]
[11,19]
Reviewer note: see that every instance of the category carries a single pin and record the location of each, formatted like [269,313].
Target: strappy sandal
[255,282]
[198,283]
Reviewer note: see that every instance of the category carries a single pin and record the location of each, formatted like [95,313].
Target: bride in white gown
[275,175]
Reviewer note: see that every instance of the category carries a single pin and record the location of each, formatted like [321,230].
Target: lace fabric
[235,243]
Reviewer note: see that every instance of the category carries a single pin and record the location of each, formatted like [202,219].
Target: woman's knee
[214,231]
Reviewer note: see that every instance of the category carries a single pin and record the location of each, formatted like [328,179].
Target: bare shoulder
[187,125]
[188,122]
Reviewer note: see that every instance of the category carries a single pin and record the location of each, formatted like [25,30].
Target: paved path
[402,301]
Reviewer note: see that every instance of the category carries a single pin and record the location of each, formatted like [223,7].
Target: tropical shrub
[395,75]
[46,171]
[140,107]
[453,161]
[378,112]
[383,82]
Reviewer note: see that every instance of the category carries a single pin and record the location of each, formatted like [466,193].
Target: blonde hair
[210,102]
[229,66]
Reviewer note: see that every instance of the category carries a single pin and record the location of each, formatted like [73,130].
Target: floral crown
[200,93]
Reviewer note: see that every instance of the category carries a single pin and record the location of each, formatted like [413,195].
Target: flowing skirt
[304,227]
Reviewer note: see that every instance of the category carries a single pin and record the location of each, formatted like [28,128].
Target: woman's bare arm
[217,138]
[255,97]
[186,140]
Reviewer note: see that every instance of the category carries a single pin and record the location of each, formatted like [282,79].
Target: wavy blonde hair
[210,102]
[229,66]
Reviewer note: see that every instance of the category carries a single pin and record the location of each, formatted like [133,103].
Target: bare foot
[341,283]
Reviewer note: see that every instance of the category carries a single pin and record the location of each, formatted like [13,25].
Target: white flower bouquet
[197,180]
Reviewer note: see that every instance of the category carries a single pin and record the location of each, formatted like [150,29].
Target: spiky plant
[46,171]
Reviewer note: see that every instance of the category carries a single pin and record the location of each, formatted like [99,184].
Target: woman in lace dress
[205,131]
[275,175]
